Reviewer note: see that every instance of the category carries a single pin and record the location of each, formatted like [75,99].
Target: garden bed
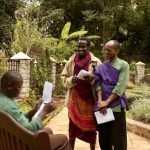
[142,129]
[138,117]
[139,103]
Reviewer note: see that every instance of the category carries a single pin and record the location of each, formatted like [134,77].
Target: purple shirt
[107,77]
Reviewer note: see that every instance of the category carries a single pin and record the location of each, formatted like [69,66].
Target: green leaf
[76,34]
[65,30]
[93,37]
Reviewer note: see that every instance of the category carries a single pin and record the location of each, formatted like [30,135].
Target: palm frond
[65,30]
[76,34]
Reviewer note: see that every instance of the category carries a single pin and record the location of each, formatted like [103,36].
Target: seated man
[11,83]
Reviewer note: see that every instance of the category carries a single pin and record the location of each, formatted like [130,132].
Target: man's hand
[31,113]
[74,79]
[37,105]
[102,104]
[49,107]
[103,110]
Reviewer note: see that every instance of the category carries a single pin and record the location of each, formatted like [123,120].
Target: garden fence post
[53,71]
[24,70]
[140,72]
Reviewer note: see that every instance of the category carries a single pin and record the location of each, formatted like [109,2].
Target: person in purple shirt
[111,79]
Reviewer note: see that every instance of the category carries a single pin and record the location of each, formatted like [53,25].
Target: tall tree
[7,19]
[124,20]
[57,13]
[138,20]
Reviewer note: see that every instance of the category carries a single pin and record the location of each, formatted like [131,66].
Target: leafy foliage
[41,71]
[139,102]
[125,20]
[27,104]
[32,100]
[76,34]
[3,61]
[24,107]
[141,110]
[7,19]
[137,93]
[65,30]
[26,35]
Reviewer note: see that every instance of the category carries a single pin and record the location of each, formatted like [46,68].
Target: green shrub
[140,110]
[131,97]
[137,92]
[128,114]
[24,106]
[132,67]
[27,104]
[147,70]
[142,90]
[32,100]
[146,79]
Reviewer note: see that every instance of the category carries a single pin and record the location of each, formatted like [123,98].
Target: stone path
[59,124]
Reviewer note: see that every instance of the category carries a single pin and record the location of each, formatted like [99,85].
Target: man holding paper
[11,83]
[77,76]
[111,80]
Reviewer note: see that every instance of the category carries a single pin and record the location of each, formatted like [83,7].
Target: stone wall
[139,128]
[24,70]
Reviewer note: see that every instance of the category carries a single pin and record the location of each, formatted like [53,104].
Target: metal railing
[7,64]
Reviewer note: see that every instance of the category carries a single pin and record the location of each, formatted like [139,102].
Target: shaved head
[10,77]
[113,44]
[11,83]
[111,49]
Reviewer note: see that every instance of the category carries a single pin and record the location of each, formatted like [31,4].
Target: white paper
[47,92]
[46,97]
[83,73]
[103,118]
[39,110]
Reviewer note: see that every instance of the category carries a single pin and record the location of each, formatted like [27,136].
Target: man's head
[83,46]
[11,84]
[111,49]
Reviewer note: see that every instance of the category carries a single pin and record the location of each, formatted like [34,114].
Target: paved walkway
[59,124]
